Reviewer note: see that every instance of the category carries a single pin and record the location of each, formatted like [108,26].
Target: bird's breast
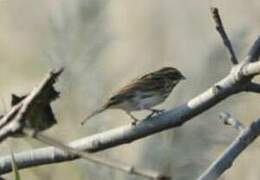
[145,102]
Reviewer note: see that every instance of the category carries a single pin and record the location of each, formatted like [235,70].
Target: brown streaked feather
[129,91]
[144,92]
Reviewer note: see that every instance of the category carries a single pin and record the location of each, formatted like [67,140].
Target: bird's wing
[147,86]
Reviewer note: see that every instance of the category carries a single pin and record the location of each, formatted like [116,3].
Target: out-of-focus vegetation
[15,169]
[104,44]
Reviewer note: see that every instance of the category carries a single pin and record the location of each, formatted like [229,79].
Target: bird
[143,93]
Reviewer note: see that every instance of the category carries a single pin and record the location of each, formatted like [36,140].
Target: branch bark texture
[236,81]
[225,160]
[23,114]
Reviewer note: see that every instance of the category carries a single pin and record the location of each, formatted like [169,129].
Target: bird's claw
[157,111]
[154,112]
[134,122]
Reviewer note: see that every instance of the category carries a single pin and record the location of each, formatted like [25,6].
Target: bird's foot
[150,115]
[157,111]
[135,120]
[154,112]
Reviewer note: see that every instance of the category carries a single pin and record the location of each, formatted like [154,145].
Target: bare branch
[223,34]
[13,123]
[253,87]
[95,159]
[20,115]
[254,52]
[229,120]
[232,84]
[225,160]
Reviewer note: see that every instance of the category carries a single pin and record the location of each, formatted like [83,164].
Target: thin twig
[225,160]
[19,116]
[233,83]
[126,134]
[223,34]
[254,54]
[229,120]
[95,159]
[23,110]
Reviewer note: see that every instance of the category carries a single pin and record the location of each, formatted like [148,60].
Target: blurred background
[104,44]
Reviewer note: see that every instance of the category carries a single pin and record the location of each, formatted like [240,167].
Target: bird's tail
[93,114]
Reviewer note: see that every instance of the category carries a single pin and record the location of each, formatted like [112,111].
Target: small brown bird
[143,93]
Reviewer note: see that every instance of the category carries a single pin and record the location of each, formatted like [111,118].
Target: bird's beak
[183,78]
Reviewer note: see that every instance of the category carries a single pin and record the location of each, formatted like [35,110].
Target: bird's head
[171,73]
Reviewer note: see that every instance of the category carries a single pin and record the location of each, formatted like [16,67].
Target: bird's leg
[134,118]
[154,111]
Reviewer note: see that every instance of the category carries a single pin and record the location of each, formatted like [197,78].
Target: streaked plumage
[144,92]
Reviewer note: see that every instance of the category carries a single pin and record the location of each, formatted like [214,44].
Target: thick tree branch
[233,83]
[236,81]
[253,87]
[220,28]
[101,161]
[16,123]
[225,160]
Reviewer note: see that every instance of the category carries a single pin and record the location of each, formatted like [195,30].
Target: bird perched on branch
[143,93]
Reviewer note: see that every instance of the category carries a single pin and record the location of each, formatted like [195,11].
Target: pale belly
[136,104]
[150,102]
